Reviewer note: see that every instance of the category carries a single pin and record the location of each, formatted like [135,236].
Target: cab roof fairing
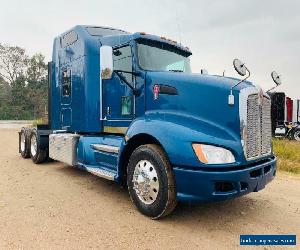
[118,40]
[139,35]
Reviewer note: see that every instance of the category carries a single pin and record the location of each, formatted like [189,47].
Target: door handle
[108,110]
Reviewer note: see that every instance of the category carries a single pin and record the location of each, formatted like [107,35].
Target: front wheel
[151,181]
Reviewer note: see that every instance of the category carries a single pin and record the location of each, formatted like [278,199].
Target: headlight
[209,154]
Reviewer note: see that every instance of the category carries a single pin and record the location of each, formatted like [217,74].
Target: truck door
[66,98]
[118,99]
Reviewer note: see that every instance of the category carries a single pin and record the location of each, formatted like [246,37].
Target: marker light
[209,154]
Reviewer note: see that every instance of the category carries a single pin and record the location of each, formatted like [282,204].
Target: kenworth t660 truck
[127,108]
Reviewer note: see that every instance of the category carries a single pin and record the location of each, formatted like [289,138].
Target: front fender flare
[176,133]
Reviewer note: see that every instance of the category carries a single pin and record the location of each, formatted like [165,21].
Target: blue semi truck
[127,108]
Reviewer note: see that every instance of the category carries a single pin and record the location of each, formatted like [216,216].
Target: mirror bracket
[119,74]
[242,70]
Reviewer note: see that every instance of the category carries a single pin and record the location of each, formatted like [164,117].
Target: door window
[122,59]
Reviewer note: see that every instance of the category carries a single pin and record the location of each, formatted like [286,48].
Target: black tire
[165,200]
[296,134]
[24,143]
[37,154]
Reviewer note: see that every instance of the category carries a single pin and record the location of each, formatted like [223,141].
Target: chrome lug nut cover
[145,182]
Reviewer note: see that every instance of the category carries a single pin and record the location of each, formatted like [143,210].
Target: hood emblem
[156,90]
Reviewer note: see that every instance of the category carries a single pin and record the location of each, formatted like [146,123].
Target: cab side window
[66,82]
[122,59]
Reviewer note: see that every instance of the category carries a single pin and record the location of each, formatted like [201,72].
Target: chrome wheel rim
[22,145]
[145,182]
[297,136]
[33,145]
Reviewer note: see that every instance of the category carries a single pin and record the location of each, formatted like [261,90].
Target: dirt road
[54,206]
[14,124]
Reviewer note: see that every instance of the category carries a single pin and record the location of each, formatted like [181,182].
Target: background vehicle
[127,108]
[285,114]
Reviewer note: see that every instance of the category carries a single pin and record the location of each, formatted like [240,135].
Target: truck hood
[202,98]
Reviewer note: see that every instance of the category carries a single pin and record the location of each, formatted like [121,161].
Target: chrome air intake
[255,123]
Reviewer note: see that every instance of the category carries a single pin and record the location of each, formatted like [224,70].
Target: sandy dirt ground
[14,124]
[54,206]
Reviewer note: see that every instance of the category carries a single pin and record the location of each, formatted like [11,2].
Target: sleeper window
[66,83]
[69,39]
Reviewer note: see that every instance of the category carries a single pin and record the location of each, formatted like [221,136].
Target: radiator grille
[258,131]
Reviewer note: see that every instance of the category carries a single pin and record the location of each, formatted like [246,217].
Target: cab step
[101,173]
[99,155]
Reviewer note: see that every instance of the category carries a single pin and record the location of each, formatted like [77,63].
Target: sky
[264,34]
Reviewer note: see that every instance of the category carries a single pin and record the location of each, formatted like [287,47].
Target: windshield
[162,57]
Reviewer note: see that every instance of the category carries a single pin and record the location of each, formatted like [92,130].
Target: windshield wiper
[175,70]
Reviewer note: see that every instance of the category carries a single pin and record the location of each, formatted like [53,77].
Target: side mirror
[276,78]
[239,67]
[106,62]
[242,70]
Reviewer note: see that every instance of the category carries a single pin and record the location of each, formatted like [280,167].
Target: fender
[165,126]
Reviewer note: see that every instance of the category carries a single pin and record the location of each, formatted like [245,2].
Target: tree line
[23,84]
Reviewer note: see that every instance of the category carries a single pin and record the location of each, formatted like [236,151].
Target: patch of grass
[288,155]
[37,122]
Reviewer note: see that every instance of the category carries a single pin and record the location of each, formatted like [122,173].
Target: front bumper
[203,186]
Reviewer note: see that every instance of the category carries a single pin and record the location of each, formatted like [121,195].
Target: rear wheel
[24,143]
[37,154]
[151,182]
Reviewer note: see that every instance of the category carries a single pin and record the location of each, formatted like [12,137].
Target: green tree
[23,84]
[37,84]
[20,103]
[13,62]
